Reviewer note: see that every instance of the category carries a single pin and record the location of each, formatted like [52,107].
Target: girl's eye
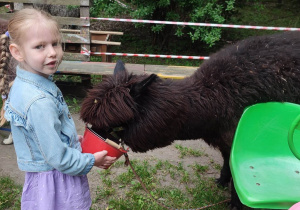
[39,47]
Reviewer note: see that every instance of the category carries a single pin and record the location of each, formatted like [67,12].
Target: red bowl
[92,143]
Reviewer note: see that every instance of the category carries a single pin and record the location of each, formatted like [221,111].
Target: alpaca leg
[235,201]
[225,176]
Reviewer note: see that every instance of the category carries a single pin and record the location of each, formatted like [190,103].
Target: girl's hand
[102,160]
[80,138]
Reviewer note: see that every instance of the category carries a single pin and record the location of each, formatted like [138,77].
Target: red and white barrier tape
[85,52]
[8,7]
[198,24]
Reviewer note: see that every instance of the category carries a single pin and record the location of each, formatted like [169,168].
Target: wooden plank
[103,68]
[72,21]
[103,48]
[170,71]
[70,31]
[107,32]
[60,20]
[85,30]
[75,38]
[93,32]
[6,16]
[57,2]
[75,57]
[100,37]
[95,68]
[105,42]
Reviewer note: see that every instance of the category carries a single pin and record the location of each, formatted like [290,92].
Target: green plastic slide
[265,156]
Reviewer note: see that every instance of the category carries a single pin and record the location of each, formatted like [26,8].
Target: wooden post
[102,47]
[85,30]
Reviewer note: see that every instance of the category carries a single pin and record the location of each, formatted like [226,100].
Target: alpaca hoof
[236,206]
[221,183]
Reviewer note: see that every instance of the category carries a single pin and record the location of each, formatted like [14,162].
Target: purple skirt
[53,190]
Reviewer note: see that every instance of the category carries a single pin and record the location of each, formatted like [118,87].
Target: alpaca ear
[120,67]
[138,88]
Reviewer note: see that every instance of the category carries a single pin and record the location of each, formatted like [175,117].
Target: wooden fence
[74,62]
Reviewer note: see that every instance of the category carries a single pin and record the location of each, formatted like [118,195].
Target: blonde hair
[21,21]
[24,19]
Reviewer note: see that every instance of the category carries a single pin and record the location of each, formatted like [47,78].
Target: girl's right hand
[102,160]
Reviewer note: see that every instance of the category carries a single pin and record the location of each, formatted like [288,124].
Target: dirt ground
[8,163]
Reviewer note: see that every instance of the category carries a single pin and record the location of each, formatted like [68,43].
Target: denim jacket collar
[38,80]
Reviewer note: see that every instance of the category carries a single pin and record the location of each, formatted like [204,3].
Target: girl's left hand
[80,138]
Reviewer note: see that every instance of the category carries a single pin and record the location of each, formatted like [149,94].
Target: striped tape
[197,24]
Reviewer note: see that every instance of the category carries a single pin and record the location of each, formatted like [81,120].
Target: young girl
[45,138]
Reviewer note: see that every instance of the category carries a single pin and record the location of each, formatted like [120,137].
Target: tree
[207,11]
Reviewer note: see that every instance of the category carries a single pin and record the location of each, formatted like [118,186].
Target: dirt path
[8,164]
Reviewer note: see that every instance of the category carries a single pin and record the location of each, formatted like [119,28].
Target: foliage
[262,13]
[209,11]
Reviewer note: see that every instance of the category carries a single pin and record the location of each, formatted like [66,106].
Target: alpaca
[153,112]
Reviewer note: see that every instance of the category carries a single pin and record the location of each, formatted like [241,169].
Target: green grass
[185,151]
[74,103]
[10,194]
[169,184]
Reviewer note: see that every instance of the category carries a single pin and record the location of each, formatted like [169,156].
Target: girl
[45,138]
[7,75]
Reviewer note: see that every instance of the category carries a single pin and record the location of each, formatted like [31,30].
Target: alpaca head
[114,101]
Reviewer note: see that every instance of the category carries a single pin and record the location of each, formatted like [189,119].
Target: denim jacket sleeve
[45,123]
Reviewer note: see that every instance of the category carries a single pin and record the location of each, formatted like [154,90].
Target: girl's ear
[16,52]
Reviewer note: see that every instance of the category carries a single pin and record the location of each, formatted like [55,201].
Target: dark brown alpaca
[154,112]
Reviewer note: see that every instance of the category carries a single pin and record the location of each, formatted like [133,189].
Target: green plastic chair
[265,158]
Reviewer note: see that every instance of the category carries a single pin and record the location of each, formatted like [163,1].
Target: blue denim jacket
[43,130]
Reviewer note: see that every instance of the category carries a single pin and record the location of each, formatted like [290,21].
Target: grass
[169,184]
[185,151]
[10,194]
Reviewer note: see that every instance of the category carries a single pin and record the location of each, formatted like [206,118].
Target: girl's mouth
[52,63]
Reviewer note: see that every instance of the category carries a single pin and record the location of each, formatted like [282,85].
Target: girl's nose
[51,51]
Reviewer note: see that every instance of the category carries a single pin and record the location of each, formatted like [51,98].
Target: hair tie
[7,33]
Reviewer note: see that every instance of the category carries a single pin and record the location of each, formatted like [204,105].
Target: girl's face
[41,50]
